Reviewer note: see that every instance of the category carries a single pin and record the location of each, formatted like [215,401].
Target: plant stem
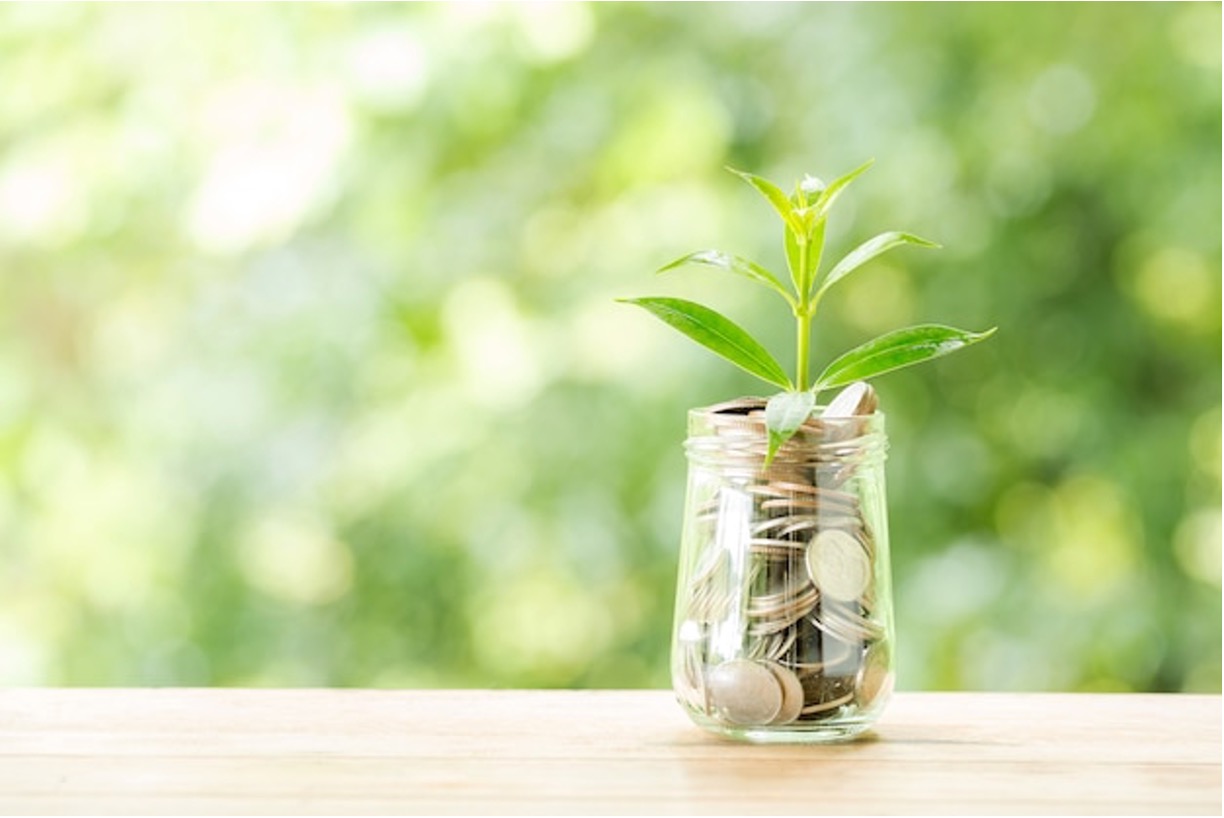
[803,319]
[804,328]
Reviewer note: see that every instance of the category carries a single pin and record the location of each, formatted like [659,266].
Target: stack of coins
[779,624]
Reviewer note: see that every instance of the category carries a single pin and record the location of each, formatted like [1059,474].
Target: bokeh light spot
[1097,536]
[1062,99]
[1176,287]
[1197,545]
[292,557]
[877,299]
[497,355]
[552,32]
[542,625]
[273,149]
[389,69]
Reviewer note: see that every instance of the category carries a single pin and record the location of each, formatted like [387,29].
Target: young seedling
[804,215]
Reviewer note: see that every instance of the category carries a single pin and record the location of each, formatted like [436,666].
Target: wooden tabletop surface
[173,751]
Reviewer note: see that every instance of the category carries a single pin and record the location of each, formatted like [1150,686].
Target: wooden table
[584,752]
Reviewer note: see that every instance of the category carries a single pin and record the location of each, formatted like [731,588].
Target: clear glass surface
[784,624]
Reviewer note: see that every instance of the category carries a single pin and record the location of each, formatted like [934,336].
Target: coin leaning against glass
[792,694]
[745,692]
[876,676]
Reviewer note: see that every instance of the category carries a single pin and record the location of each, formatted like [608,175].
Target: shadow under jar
[784,625]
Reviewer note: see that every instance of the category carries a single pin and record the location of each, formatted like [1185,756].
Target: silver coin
[792,694]
[744,692]
[788,605]
[782,645]
[849,401]
[794,487]
[857,399]
[876,678]
[785,524]
[797,523]
[838,565]
[712,560]
[843,503]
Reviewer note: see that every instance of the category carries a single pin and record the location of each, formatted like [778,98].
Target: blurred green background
[311,371]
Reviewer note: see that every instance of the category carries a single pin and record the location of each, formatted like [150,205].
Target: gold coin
[744,692]
[838,565]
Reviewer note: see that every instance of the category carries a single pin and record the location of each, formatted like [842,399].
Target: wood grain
[592,752]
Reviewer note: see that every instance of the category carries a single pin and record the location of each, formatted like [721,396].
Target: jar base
[841,729]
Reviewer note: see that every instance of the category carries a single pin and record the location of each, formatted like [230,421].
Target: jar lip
[738,426]
[742,407]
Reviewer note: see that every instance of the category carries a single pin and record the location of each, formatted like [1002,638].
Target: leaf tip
[863,168]
[671,265]
[774,445]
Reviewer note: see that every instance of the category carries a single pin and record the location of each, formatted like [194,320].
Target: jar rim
[743,407]
[737,428]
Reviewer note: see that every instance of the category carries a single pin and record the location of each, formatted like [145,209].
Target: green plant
[804,214]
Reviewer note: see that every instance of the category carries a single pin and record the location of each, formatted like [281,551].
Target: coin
[876,677]
[838,501]
[787,523]
[731,408]
[838,565]
[856,399]
[745,692]
[782,644]
[849,622]
[792,694]
[772,647]
[784,487]
[712,560]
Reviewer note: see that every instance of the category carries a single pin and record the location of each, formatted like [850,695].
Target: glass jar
[784,624]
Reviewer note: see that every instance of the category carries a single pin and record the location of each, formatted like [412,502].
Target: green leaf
[792,259]
[839,184]
[868,250]
[718,334]
[732,264]
[774,195]
[903,347]
[799,197]
[784,414]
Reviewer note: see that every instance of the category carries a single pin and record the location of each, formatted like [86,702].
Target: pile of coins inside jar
[778,623]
